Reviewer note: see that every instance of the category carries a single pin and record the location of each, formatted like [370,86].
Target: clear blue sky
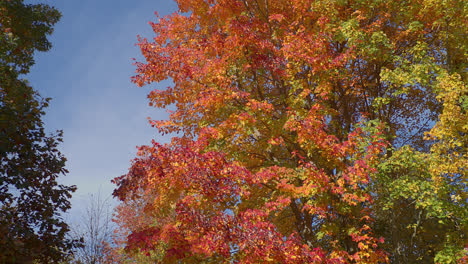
[87,75]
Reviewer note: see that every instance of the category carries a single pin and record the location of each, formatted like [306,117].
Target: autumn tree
[308,132]
[31,200]
[130,216]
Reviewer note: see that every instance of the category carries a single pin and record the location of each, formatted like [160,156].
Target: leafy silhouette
[31,200]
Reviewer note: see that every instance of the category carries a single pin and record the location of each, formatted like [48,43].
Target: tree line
[304,131]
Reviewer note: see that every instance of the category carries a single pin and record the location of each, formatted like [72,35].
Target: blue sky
[87,75]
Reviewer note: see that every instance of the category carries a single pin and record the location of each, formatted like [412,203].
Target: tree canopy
[31,200]
[309,131]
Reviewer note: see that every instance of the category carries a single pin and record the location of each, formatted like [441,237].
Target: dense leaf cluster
[310,131]
[31,200]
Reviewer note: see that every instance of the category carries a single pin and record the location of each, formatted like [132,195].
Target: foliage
[306,134]
[129,216]
[31,200]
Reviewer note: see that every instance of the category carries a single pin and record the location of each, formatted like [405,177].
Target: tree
[95,229]
[31,200]
[307,134]
[130,216]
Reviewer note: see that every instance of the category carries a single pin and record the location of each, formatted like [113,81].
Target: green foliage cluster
[31,199]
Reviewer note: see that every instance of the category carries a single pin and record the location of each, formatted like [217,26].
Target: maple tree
[306,134]
[31,199]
